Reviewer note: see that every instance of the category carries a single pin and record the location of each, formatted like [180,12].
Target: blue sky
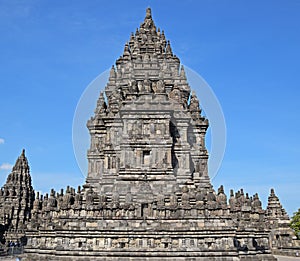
[248,52]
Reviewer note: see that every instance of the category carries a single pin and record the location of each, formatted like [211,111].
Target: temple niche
[147,194]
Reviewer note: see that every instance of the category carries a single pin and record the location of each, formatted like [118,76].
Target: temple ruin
[147,195]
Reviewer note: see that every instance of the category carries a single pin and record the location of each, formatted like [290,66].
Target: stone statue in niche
[194,103]
[147,84]
[140,86]
[152,127]
[173,202]
[132,87]
[139,125]
[160,87]
[163,129]
[154,86]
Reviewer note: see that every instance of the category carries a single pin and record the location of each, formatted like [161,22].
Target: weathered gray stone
[147,194]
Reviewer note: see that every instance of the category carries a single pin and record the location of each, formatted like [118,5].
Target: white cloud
[5,166]
[1,141]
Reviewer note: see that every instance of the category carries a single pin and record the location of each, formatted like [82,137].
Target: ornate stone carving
[147,193]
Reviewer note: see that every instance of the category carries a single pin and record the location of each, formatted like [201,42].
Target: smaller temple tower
[16,201]
[282,238]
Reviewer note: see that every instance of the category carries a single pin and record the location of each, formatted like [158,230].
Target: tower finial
[148,23]
[169,49]
[182,72]
[272,193]
[148,13]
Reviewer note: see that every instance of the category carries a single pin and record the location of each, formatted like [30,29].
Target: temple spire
[21,163]
[274,207]
[19,196]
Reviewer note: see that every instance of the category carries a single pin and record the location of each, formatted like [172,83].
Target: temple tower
[282,237]
[147,125]
[16,200]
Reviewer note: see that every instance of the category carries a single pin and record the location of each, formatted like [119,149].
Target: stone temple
[147,195]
